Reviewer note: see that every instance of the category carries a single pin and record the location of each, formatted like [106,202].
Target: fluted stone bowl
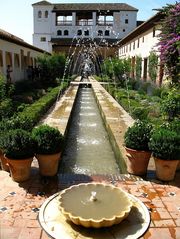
[94,204]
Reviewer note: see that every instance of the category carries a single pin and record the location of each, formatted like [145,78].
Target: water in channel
[88,150]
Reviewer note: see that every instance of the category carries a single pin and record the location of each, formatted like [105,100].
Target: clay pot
[20,169]
[178,166]
[48,163]
[165,169]
[3,162]
[137,161]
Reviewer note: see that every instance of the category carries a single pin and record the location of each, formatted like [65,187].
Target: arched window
[16,61]
[86,33]
[100,33]
[39,14]
[59,32]
[106,33]
[46,14]
[66,33]
[79,32]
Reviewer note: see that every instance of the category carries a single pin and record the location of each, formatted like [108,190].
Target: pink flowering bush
[169,45]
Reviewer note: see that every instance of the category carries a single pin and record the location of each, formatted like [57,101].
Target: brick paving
[20,202]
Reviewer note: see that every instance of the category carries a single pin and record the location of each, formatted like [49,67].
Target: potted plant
[18,147]
[165,146]
[49,143]
[3,162]
[136,141]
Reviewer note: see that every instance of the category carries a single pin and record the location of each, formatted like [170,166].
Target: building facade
[141,42]
[57,27]
[17,55]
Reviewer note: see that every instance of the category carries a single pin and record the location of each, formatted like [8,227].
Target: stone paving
[20,203]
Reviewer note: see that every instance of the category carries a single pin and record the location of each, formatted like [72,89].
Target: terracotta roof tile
[41,3]
[14,39]
[94,6]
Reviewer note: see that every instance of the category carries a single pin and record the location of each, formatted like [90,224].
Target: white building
[17,54]
[58,26]
[141,42]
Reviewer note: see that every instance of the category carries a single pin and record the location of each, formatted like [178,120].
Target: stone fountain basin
[108,207]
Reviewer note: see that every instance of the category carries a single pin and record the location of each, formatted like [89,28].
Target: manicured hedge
[40,107]
[31,114]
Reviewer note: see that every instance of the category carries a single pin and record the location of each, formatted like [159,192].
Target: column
[94,19]
[73,18]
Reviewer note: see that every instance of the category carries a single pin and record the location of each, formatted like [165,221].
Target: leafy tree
[117,67]
[138,67]
[51,67]
[153,64]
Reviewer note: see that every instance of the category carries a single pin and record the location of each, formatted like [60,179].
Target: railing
[63,23]
[105,23]
[84,22]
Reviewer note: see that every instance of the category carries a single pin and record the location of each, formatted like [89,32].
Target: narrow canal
[88,150]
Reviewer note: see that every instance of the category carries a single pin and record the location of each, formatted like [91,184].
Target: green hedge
[40,107]
[31,114]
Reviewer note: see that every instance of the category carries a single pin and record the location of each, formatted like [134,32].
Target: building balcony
[105,23]
[88,22]
[64,23]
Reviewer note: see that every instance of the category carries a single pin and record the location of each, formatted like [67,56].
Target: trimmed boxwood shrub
[18,144]
[165,143]
[49,140]
[138,135]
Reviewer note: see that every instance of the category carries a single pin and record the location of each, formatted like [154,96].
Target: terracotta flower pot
[137,162]
[3,162]
[20,169]
[178,166]
[48,163]
[165,169]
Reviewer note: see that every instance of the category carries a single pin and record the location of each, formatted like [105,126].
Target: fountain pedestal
[95,204]
[58,227]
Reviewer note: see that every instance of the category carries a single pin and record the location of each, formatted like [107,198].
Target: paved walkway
[20,203]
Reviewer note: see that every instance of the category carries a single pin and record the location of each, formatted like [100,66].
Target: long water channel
[88,150]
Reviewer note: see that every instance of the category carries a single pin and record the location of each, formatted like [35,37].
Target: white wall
[147,44]
[144,49]
[18,73]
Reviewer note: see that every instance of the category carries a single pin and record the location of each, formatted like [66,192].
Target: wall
[142,45]
[18,57]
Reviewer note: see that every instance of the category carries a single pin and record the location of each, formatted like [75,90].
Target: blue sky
[16,16]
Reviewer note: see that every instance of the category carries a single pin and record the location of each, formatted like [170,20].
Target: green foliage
[140,113]
[18,144]
[153,66]
[6,90]
[2,88]
[137,136]
[170,106]
[138,67]
[35,111]
[28,117]
[6,108]
[164,144]
[51,67]
[116,67]
[48,139]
